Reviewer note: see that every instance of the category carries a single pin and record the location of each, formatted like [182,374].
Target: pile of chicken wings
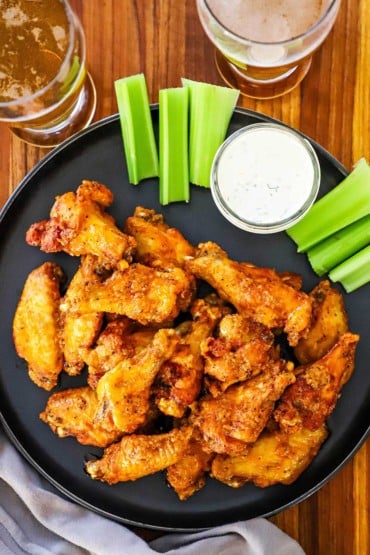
[178,380]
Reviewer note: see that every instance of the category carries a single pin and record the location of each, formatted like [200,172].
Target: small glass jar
[265,177]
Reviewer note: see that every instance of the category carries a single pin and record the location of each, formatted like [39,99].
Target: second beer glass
[264,47]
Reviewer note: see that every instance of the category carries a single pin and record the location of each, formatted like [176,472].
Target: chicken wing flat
[135,456]
[79,332]
[147,295]
[329,322]
[79,225]
[230,422]
[124,391]
[311,399]
[276,457]
[254,293]
[72,413]
[188,474]
[179,380]
[36,325]
[157,243]
[242,350]
[121,339]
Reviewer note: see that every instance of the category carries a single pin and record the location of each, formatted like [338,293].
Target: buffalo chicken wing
[139,455]
[262,296]
[276,457]
[179,380]
[235,419]
[124,392]
[311,399]
[36,325]
[242,349]
[329,322]
[71,412]
[79,225]
[158,244]
[147,295]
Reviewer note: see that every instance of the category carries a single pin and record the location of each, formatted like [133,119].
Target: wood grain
[164,39]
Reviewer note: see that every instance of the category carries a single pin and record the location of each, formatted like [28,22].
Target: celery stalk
[353,272]
[211,108]
[173,145]
[347,202]
[341,245]
[137,128]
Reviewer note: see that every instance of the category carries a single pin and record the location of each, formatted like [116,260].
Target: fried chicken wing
[124,391]
[79,225]
[275,458]
[254,292]
[329,322]
[311,399]
[157,244]
[179,380]
[242,350]
[79,332]
[36,325]
[188,474]
[71,412]
[120,339]
[136,456]
[230,422]
[147,295]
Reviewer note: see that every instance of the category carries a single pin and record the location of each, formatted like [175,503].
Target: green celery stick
[173,145]
[353,272]
[347,202]
[338,247]
[137,128]
[211,108]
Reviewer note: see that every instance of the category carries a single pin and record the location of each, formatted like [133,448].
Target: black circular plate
[97,154]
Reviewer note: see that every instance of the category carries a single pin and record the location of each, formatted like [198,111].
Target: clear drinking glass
[46,94]
[264,48]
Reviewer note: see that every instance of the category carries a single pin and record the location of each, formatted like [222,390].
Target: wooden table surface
[164,39]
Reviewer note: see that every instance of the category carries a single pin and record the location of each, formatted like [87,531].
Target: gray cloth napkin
[35,520]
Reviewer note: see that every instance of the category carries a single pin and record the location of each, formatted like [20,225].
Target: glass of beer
[264,48]
[46,94]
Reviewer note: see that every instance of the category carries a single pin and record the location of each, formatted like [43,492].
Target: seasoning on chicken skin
[158,244]
[147,295]
[36,325]
[79,331]
[188,474]
[79,225]
[137,455]
[242,349]
[122,338]
[236,418]
[124,392]
[254,293]
[179,380]
[71,412]
[311,399]
[329,322]
[275,458]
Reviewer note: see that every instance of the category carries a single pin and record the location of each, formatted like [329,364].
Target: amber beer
[44,92]
[264,47]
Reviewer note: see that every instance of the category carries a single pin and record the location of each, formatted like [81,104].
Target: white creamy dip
[265,175]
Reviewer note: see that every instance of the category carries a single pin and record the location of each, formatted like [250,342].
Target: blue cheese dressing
[266,175]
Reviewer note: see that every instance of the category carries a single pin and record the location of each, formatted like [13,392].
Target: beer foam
[268,20]
[14,17]
[60,36]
